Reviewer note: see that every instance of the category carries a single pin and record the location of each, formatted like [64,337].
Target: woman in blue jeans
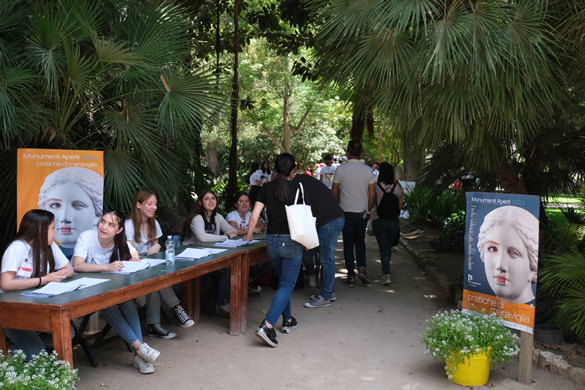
[103,249]
[286,255]
[386,230]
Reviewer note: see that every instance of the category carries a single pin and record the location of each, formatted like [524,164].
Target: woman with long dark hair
[205,224]
[386,230]
[31,260]
[104,249]
[142,232]
[286,255]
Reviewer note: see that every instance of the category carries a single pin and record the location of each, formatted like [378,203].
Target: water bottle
[170,251]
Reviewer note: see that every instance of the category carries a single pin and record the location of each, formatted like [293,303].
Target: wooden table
[253,254]
[54,314]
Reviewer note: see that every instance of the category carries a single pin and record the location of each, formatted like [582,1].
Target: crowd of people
[343,198]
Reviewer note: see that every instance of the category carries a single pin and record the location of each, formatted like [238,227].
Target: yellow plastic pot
[474,371]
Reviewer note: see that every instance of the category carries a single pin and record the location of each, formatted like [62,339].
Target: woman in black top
[286,255]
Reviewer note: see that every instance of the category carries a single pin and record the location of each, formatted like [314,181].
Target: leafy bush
[44,371]
[452,235]
[426,208]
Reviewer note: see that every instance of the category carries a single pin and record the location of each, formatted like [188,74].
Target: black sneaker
[267,335]
[182,317]
[350,282]
[254,288]
[289,326]
[156,330]
[364,276]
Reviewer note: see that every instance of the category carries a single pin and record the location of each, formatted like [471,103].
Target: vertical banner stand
[525,366]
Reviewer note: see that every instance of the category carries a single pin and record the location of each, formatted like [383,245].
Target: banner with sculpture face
[68,183]
[501,257]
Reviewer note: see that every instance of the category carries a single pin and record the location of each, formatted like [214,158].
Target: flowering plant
[44,371]
[456,335]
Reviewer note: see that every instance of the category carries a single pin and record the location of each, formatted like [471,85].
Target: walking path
[368,339]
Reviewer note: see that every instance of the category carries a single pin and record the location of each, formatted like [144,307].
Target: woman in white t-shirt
[143,231]
[103,249]
[32,260]
[240,217]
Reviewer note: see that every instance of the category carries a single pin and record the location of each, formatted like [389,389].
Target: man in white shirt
[327,171]
[375,172]
[353,187]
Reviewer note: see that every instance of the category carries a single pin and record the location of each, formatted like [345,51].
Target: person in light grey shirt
[353,187]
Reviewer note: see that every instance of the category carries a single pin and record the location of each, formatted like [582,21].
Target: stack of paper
[235,243]
[192,254]
[130,267]
[55,288]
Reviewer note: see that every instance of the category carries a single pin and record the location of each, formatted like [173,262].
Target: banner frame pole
[525,365]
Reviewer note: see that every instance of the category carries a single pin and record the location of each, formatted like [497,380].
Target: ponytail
[284,165]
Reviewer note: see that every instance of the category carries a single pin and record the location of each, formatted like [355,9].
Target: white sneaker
[143,367]
[148,354]
[312,281]
[394,249]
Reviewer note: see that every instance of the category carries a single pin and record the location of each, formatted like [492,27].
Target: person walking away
[330,222]
[385,218]
[375,172]
[353,187]
[327,171]
[286,255]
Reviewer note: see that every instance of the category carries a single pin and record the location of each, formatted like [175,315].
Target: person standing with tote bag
[286,255]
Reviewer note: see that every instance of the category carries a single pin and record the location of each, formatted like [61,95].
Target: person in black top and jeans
[286,255]
[330,222]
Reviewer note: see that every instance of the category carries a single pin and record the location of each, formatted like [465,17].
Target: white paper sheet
[130,267]
[235,243]
[154,262]
[51,289]
[192,254]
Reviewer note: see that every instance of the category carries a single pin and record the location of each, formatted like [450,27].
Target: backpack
[388,206]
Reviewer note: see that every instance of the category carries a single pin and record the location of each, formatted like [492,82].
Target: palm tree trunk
[233,166]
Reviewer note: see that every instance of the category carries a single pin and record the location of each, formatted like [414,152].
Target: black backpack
[388,206]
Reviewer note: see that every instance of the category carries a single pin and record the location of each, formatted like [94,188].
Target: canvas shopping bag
[301,223]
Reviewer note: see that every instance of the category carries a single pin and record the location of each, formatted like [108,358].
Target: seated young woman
[31,260]
[142,232]
[204,224]
[103,249]
[240,219]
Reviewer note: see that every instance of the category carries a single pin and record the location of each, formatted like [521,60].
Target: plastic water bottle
[170,251]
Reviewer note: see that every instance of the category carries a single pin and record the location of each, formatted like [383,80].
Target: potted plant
[469,344]
[44,371]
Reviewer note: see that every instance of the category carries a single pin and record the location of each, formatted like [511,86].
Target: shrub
[452,235]
[426,208]
[44,371]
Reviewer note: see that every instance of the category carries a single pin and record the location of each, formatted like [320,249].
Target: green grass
[564,199]
[557,216]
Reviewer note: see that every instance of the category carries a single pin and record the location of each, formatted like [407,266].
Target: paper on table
[235,243]
[88,282]
[130,267]
[192,254]
[154,262]
[215,251]
[51,289]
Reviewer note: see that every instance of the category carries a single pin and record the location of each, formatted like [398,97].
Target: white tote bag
[301,223]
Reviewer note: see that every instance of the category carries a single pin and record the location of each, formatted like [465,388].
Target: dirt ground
[451,264]
[368,339]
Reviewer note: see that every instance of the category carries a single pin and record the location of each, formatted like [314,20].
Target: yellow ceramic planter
[474,371]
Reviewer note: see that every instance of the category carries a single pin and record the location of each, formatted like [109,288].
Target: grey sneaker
[394,249]
[289,326]
[332,297]
[223,310]
[148,354]
[319,301]
[143,367]
[363,275]
[156,330]
[386,280]
[312,281]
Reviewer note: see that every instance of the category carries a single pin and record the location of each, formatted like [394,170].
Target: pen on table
[70,270]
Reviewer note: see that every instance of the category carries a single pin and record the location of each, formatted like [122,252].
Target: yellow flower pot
[474,371]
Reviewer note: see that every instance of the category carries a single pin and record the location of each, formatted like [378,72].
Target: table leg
[235,295]
[3,342]
[60,323]
[245,276]
[187,298]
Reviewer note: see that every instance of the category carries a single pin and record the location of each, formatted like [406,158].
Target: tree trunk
[286,118]
[233,166]
[414,159]
[213,155]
